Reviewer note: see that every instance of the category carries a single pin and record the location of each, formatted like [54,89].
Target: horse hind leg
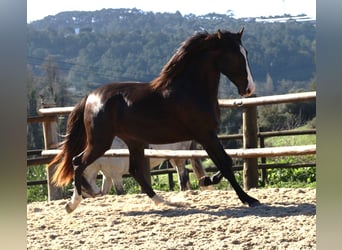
[112,176]
[183,174]
[106,184]
[118,185]
[201,175]
[76,197]
[90,174]
[137,170]
[80,163]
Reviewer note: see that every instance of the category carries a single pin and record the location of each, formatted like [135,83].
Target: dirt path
[209,220]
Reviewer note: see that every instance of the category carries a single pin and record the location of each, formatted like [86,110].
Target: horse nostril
[250,89]
[248,92]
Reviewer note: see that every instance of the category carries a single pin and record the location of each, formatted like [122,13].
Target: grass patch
[293,177]
[36,192]
[292,140]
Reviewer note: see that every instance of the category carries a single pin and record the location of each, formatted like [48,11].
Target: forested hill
[92,48]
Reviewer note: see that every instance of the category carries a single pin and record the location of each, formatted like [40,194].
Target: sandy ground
[209,220]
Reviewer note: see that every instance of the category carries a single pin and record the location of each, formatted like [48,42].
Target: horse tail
[73,144]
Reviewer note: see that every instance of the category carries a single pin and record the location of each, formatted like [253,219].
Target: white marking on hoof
[75,200]
[68,208]
[178,200]
[158,200]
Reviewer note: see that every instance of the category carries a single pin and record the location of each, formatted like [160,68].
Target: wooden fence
[250,151]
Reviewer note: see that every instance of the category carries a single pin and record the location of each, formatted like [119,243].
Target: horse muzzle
[249,90]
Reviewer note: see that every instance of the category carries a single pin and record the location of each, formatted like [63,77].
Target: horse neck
[199,76]
[205,78]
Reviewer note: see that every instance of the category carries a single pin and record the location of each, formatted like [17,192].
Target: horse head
[233,61]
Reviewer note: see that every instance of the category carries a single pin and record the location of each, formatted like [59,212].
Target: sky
[38,9]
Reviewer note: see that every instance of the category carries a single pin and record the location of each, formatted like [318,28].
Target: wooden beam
[55,111]
[265,100]
[51,142]
[186,154]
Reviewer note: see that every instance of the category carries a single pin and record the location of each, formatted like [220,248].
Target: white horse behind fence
[113,168]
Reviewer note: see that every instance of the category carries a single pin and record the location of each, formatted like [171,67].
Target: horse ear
[219,34]
[241,31]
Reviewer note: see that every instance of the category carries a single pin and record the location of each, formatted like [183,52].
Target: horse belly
[154,129]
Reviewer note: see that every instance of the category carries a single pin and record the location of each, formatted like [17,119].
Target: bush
[36,192]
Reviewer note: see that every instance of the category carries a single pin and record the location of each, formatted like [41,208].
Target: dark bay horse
[180,104]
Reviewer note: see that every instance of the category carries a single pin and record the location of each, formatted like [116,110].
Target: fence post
[250,140]
[263,159]
[51,142]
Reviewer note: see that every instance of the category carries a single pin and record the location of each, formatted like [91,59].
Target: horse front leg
[224,163]
[138,167]
[205,181]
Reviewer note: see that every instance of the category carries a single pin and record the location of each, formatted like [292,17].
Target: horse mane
[188,49]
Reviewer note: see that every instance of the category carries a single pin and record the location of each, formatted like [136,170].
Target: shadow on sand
[265,210]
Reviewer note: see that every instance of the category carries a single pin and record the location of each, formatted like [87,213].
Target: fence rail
[187,154]
[39,156]
[250,152]
[267,100]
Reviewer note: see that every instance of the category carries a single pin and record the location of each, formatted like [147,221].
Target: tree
[53,87]
[49,81]
[34,131]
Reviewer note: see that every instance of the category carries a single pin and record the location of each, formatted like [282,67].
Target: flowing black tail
[73,144]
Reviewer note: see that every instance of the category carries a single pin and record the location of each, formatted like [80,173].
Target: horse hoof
[99,194]
[68,208]
[205,188]
[158,200]
[254,203]
[205,181]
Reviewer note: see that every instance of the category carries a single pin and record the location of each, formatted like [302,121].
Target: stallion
[180,104]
